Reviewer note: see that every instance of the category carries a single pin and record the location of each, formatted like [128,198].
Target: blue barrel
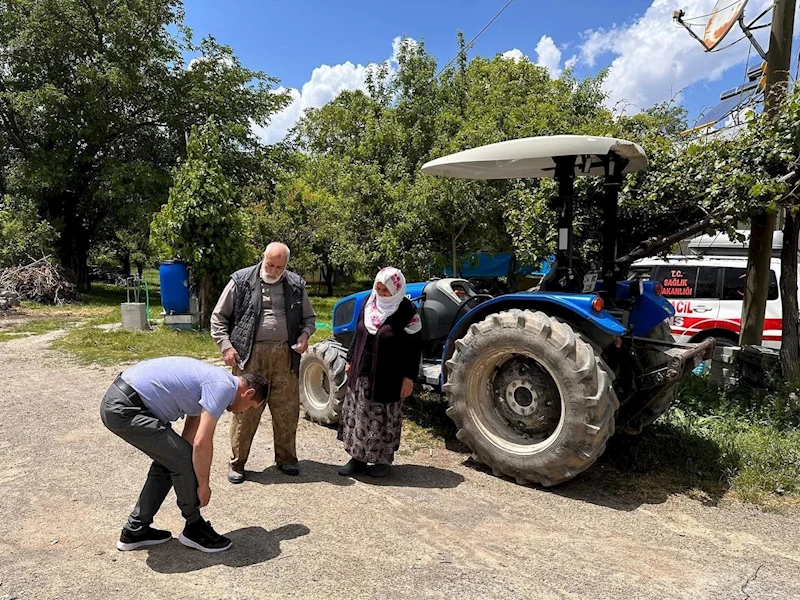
[174,286]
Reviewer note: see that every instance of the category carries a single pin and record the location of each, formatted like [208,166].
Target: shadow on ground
[310,472]
[416,476]
[662,461]
[251,546]
[399,476]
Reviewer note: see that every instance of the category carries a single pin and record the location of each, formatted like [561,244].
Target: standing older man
[262,323]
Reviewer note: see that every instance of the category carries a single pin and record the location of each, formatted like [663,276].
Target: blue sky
[317,47]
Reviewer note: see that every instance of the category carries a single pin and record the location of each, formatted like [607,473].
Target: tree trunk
[206,302]
[454,237]
[73,252]
[455,256]
[757,283]
[790,344]
[125,259]
[327,274]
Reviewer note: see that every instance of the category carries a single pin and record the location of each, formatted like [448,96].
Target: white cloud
[325,84]
[514,54]
[548,55]
[654,60]
[596,42]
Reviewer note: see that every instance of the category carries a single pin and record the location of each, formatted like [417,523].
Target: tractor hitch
[680,360]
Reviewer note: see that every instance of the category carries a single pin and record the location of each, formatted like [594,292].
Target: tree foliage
[24,237]
[371,145]
[95,104]
[202,222]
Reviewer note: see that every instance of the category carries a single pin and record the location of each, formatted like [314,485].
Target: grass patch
[102,302]
[714,444]
[102,306]
[425,423]
[94,345]
[323,306]
[35,327]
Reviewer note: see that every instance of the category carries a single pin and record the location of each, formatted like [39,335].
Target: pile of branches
[40,281]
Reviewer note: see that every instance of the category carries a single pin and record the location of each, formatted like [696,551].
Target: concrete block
[723,372]
[726,359]
[726,350]
[134,316]
[183,321]
[720,380]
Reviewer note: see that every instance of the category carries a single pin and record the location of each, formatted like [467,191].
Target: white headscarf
[380,308]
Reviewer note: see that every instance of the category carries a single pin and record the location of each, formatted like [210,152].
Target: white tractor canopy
[536,157]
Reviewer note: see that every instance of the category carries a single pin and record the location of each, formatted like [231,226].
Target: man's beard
[268,279]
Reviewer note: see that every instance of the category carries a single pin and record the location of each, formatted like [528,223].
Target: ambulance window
[733,284]
[642,273]
[678,281]
[707,283]
[772,294]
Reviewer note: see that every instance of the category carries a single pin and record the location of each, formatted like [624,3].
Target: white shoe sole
[190,544]
[123,547]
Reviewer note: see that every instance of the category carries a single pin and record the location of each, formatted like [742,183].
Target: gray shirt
[173,387]
[273,327]
[272,324]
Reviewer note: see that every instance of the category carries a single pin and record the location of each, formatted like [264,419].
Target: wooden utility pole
[762,225]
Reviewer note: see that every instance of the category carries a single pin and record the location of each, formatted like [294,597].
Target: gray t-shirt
[176,386]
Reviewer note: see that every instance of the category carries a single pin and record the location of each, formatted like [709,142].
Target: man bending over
[140,406]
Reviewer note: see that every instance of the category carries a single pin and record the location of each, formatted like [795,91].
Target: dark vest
[395,354]
[247,310]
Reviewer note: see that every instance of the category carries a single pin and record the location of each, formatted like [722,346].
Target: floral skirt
[370,430]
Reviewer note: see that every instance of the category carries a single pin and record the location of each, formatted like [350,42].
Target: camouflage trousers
[271,360]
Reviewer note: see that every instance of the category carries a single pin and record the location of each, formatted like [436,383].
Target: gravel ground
[436,528]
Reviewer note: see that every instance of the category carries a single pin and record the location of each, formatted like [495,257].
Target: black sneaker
[201,536]
[146,536]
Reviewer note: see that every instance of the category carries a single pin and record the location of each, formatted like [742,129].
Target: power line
[472,41]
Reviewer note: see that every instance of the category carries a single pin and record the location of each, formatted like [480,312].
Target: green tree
[95,104]
[202,222]
[373,144]
[24,237]
[309,221]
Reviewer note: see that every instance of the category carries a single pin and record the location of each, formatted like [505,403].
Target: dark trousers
[172,464]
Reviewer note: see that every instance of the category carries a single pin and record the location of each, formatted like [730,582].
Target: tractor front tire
[531,399]
[323,381]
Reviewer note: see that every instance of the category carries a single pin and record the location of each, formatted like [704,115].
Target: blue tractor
[536,381]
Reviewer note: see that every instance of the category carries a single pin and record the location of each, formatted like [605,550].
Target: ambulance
[706,286]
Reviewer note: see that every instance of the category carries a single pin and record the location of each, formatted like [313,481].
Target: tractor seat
[443,301]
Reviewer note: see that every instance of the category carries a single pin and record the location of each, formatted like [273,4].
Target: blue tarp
[484,264]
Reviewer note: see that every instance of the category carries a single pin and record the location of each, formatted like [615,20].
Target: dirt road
[436,528]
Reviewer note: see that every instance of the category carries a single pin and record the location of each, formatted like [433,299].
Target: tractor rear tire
[531,399]
[323,381]
[663,399]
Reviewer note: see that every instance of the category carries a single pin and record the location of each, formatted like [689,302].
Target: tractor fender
[601,328]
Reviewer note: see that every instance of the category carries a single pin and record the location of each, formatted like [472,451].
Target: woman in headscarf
[382,363]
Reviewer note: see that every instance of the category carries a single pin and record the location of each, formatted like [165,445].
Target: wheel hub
[521,398]
[527,397]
